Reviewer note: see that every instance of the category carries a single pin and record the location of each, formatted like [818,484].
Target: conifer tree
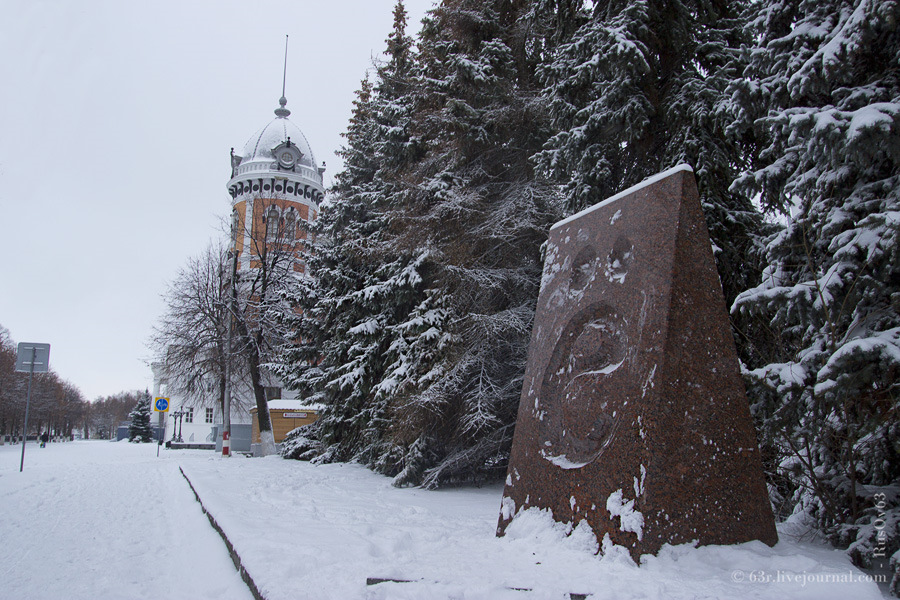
[359,285]
[639,88]
[428,266]
[140,430]
[475,208]
[822,97]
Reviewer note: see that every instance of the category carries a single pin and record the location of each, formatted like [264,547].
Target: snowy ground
[111,520]
[98,520]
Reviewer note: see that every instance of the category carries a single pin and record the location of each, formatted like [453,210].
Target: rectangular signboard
[302,415]
[32,357]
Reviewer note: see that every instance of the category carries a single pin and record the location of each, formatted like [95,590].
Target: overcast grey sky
[116,122]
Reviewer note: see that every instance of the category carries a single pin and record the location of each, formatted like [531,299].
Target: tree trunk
[222,396]
[266,437]
[267,443]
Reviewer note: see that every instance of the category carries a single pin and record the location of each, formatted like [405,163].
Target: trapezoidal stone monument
[633,414]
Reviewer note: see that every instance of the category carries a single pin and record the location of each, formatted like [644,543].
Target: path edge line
[235,557]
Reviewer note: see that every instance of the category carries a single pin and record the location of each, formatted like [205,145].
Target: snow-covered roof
[259,146]
[293,405]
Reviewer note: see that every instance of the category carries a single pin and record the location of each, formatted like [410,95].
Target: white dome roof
[280,129]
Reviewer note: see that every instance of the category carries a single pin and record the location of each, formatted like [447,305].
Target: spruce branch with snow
[822,97]
[640,87]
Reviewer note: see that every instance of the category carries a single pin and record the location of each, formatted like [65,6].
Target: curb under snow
[254,589]
[235,557]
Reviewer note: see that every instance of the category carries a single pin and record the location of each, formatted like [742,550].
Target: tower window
[272,224]
[290,226]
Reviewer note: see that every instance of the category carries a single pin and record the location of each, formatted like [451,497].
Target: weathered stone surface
[633,413]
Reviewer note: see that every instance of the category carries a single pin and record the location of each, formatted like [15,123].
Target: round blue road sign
[162,404]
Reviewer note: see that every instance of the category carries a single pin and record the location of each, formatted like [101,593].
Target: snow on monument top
[645,183]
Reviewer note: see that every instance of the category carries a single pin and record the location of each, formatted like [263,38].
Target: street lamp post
[178,415]
[226,405]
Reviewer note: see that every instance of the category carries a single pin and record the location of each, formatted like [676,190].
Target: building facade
[188,420]
[276,187]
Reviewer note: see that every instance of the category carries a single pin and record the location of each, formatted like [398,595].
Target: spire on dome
[281,111]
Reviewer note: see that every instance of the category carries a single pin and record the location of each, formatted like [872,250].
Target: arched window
[290,226]
[272,225]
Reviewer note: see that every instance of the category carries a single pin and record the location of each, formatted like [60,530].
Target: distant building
[276,187]
[190,421]
[286,415]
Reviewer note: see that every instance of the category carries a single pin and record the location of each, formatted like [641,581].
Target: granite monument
[633,413]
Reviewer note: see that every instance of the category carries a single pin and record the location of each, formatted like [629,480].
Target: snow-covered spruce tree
[475,208]
[360,286]
[140,430]
[428,266]
[822,96]
[640,87]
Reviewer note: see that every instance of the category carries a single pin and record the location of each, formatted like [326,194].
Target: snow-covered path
[98,520]
[102,520]
[329,528]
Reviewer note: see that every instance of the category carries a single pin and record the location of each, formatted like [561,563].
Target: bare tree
[10,385]
[56,404]
[191,335]
[107,413]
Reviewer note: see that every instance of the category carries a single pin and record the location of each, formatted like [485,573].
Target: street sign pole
[162,424]
[39,355]
[161,405]
[27,405]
